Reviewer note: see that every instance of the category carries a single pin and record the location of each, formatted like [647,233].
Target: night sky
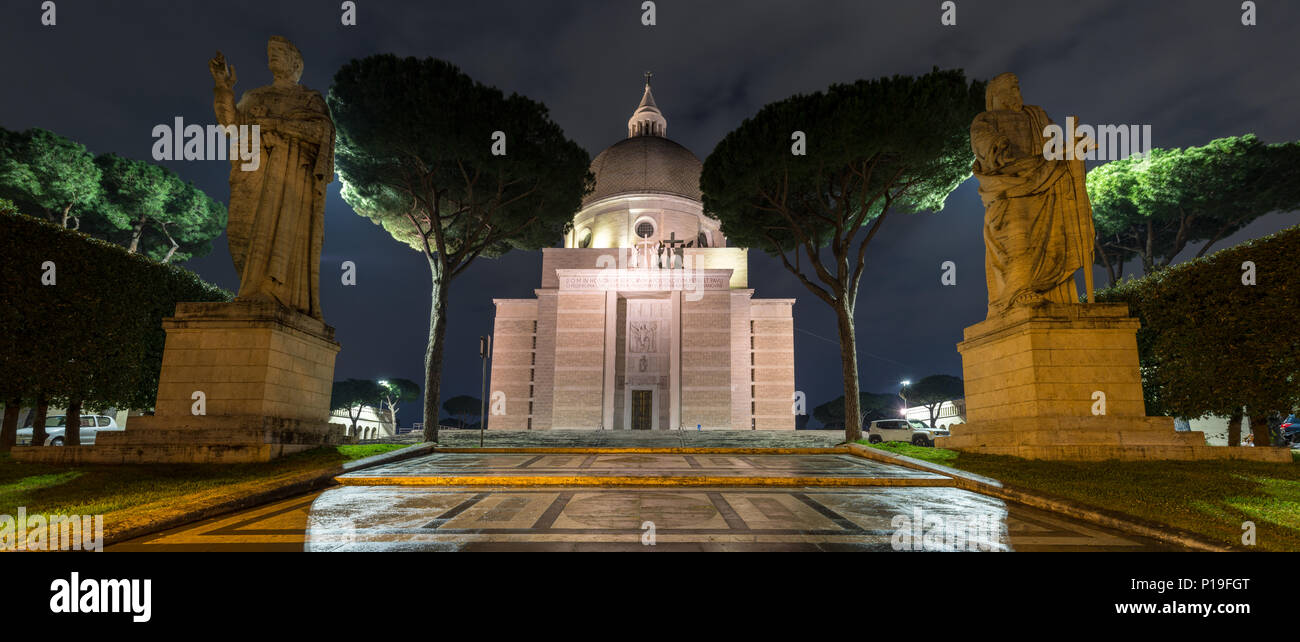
[108,72]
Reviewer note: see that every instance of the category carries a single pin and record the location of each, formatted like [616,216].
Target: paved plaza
[856,505]
[361,518]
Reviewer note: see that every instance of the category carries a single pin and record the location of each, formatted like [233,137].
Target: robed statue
[277,206]
[1038,228]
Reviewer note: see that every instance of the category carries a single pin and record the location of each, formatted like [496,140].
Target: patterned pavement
[379,518]
[903,510]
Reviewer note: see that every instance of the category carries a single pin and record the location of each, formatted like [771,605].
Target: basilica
[644,319]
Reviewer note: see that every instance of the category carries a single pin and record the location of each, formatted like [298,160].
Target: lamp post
[389,400]
[902,393]
[484,349]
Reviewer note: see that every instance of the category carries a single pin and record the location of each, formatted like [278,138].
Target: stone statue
[277,211]
[1038,227]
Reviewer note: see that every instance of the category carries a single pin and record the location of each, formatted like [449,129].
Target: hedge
[1210,343]
[95,334]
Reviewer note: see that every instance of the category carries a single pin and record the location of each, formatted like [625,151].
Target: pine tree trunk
[172,251]
[9,430]
[72,424]
[39,413]
[137,231]
[434,350]
[1234,428]
[849,366]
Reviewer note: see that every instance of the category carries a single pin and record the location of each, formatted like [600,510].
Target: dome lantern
[647,120]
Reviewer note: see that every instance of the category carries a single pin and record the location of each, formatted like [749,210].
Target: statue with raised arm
[1038,228]
[277,203]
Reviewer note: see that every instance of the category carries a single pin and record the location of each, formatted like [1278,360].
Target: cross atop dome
[647,120]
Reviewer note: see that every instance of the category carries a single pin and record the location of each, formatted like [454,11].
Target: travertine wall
[741,371]
[735,259]
[579,360]
[772,325]
[512,360]
[544,370]
[722,360]
[706,359]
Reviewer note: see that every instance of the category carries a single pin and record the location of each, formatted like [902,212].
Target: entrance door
[642,409]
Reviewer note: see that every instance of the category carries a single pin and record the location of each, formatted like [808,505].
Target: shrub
[81,318]
[1210,343]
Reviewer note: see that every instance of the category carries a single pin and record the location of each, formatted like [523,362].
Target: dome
[645,164]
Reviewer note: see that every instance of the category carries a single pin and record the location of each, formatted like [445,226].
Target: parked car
[1290,430]
[912,431]
[55,429]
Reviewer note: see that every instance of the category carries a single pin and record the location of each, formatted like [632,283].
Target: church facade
[644,320]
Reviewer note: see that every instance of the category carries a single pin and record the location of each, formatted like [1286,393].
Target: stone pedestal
[1032,380]
[264,374]
[249,359]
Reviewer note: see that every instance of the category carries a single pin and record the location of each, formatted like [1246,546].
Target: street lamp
[902,393]
[388,398]
[484,353]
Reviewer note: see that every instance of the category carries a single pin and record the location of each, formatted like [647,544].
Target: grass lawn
[1210,498]
[92,490]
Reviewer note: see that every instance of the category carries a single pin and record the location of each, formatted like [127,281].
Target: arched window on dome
[584,237]
[702,241]
[645,228]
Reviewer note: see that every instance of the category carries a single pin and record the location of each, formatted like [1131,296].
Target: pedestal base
[240,382]
[247,359]
[1036,380]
